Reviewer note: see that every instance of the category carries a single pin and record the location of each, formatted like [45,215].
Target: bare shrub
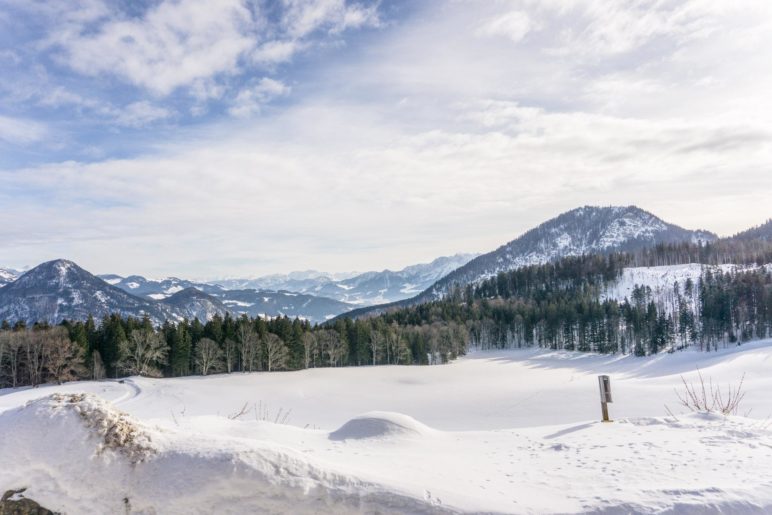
[240,413]
[263,414]
[709,398]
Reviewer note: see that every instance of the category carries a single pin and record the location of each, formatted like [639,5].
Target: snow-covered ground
[512,431]
[661,280]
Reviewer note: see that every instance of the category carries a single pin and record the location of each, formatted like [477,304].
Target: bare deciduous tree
[63,358]
[377,344]
[333,348]
[143,353]
[208,356]
[34,357]
[230,354]
[309,348]
[276,351]
[249,346]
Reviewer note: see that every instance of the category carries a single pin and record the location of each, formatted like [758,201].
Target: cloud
[141,113]
[303,17]
[178,43]
[250,100]
[171,45]
[275,52]
[275,197]
[513,25]
[21,131]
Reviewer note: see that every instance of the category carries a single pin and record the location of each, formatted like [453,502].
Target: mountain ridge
[583,230]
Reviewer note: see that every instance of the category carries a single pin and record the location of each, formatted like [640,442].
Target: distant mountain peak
[60,289]
[362,289]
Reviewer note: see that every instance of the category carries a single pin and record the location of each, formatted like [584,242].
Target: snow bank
[78,454]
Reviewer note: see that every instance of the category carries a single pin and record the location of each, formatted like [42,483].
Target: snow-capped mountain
[305,280]
[60,289]
[157,290]
[250,301]
[585,230]
[191,303]
[7,276]
[279,303]
[362,289]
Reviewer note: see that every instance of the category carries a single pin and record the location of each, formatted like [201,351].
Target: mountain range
[362,289]
[60,289]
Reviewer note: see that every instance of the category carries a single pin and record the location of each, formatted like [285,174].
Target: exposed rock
[13,502]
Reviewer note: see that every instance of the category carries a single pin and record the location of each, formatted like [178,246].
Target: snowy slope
[509,432]
[7,276]
[662,280]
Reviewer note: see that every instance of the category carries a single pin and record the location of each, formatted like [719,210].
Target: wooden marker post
[605,395]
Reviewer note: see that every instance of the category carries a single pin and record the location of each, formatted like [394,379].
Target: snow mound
[380,424]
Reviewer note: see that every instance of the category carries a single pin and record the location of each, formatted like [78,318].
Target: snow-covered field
[513,431]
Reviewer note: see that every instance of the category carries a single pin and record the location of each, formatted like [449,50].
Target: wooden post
[605,396]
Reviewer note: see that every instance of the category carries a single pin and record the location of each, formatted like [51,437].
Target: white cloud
[274,197]
[173,44]
[303,17]
[138,114]
[275,52]
[179,43]
[21,131]
[250,100]
[514,25]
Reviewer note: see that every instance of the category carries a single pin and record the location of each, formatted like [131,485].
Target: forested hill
[585,230]
[563,305]
[760,232]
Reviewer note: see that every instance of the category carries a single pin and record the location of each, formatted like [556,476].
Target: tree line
[118,347]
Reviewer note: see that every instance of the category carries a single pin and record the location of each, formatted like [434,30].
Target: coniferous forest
[559,305]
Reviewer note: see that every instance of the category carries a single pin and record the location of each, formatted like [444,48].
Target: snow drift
[379,424]
[78,454]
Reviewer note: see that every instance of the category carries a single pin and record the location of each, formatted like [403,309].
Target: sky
[207,139]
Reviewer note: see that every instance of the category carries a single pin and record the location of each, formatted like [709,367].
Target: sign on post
[605,395]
